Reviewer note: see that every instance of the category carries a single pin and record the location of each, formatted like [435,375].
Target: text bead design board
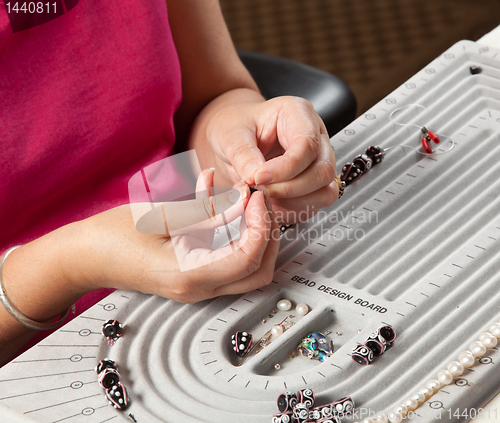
[414,243]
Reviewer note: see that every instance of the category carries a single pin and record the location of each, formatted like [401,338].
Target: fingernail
[263,178]
[212,169]
[260,187]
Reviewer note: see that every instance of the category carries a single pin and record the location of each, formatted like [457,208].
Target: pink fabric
[87,100]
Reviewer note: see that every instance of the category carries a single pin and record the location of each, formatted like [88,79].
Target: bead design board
[414,243]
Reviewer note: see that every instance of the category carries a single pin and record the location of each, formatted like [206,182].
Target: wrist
[36,280]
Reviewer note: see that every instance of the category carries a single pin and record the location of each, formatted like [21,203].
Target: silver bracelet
[16,313]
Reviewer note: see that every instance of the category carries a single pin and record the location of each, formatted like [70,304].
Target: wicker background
[373,45]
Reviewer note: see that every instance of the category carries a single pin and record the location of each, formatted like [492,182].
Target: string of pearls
[466,360]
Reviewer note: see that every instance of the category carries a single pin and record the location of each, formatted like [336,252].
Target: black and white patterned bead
[362,355]
[342,406]
[376,153]
[306,396]
[286,402]
[376,343]
[363,162]
[301,413]
[241,343]
[282,418]
[388,333]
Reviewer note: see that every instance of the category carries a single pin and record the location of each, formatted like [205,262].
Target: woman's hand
[280,143]
[115,254]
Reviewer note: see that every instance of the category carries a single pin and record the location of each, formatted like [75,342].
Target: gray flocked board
[414,243]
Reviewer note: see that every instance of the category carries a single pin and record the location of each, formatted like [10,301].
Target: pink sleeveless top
[88,91]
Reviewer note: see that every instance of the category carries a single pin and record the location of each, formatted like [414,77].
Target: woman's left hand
[281,143]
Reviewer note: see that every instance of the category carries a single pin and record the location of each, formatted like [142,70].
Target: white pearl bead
[488,340]
[367,420]
[401,409]
[445,377]
[284,305]
[395,417]
[495,330]
[428,392]
[420,397]
[302,309]
[411,404]
[477,349]
[277,330]
[466,359]
[434,384]
[455,368]
[381,418]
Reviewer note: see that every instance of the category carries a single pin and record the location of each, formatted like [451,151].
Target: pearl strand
[466,359]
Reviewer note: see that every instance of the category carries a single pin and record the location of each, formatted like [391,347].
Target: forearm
[36,280]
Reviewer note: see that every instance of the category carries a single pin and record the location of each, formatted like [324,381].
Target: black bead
[376,153]
[363,162]
[350,172]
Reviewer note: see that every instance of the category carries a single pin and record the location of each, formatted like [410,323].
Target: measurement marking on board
[267,383]
[210,362]
[246,299]
[77,345]
[334,365]
[231,308]
[231,378]
[304,380]
[446,274]
[457,265]
[430,283]
[400,314]
[92,318]
[425,295]
[221,320]
[411,304]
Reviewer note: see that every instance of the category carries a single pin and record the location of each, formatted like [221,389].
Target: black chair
[331,97]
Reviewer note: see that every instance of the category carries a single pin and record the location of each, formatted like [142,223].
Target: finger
[264,275]
[203,185]
[299,132]
[316,200]
[244,256]
[208,212]
[238,148]
[319,174]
